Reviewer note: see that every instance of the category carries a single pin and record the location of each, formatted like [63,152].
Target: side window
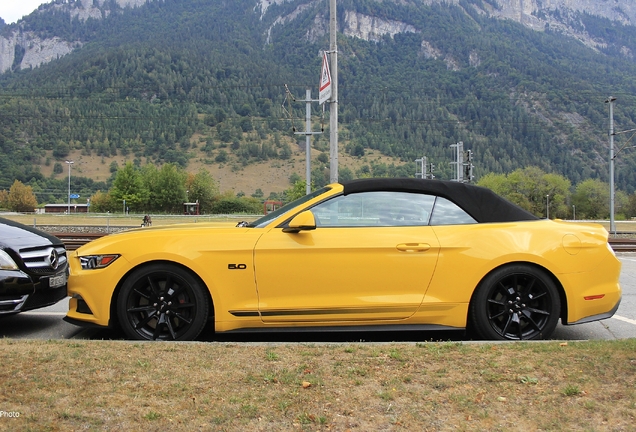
[446,212]
[375,209]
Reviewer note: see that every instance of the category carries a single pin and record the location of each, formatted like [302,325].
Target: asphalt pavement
[47,323]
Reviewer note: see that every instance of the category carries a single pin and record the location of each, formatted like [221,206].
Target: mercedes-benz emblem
[54,259]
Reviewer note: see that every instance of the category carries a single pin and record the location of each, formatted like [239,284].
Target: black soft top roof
[482,204]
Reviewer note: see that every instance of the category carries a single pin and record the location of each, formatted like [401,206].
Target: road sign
[75,196]
[325,80]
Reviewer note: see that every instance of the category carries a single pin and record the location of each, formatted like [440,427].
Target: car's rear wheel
[516,302]
[162,302]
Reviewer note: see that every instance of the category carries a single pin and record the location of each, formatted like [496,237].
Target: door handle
[413,247]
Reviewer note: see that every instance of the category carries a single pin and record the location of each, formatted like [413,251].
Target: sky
[13,10]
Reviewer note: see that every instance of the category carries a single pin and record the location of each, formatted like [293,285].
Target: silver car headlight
[92,262]
[6,262]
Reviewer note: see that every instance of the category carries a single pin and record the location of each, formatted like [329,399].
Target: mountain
[201,83]
[24,45]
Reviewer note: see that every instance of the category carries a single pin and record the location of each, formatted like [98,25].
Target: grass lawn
[103,220]
[117,385]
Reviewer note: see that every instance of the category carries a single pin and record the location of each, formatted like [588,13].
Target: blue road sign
[74,196]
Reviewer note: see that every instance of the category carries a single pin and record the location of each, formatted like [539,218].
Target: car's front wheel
[517,302]
[162,302]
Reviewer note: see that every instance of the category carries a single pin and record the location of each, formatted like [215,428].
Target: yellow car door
[370,258]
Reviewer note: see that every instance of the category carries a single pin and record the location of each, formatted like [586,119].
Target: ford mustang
[361,255]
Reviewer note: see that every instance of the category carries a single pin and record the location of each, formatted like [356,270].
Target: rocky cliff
[563,15]
[20,49]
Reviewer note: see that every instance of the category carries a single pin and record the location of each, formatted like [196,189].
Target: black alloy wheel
[162,302]
[517,302]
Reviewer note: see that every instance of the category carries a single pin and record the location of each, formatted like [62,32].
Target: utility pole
[611,100]
[421,166]
[308,133]
[69,186]
[333,110]
[468,166]
[459,161]
[425,169]
[463,170]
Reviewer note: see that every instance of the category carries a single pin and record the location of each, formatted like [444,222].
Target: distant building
[63,208]
[191,208]
[270,206]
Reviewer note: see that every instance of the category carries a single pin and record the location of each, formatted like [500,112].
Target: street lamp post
[573,212]
[547,206]
[69,186]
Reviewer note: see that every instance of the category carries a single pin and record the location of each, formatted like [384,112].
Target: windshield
[260,223]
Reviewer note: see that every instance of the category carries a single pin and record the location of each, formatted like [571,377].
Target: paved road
[47,324]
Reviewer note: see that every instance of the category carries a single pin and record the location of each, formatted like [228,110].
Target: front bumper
[20,292]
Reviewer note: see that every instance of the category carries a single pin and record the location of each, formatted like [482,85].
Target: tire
[516,302]
[162,302]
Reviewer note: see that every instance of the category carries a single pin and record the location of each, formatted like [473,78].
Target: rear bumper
[597,317]
[601,295]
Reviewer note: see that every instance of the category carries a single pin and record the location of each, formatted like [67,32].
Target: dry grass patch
[114,385]
[102,220]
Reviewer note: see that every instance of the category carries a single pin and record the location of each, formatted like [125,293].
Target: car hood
[17,236]
[116,242]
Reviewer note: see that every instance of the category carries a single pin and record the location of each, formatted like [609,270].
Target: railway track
[623,244]
[73,241]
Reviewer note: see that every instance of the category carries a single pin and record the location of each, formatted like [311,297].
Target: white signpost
[325,81]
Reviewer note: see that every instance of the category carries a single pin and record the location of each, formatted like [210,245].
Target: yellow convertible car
[362,255]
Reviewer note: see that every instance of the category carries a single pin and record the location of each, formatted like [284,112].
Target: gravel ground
[88,229]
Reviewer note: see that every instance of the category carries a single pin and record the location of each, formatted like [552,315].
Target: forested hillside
[183,79]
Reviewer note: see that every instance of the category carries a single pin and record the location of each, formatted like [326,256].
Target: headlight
[91,262]
[6,262]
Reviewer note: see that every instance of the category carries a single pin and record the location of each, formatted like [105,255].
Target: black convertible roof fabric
[482,204]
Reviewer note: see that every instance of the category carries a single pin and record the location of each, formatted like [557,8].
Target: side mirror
[304,221]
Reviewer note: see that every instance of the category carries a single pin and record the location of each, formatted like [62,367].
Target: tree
[630,209]
[168,192]
[221,157]
[285,152]
[61,150]
[298,190]
[203,188]
[532,189]
[128,186]
[21,198]
[113,167]
[4,199]
[323,158]
[591,199]
[102,202]
[230,204]
[294,178]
